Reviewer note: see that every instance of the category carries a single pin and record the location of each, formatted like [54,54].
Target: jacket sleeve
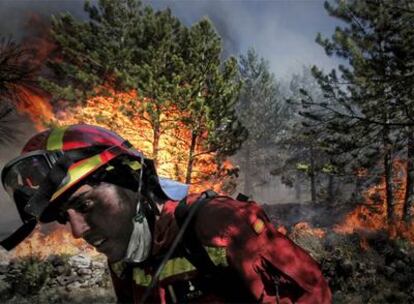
[260,254]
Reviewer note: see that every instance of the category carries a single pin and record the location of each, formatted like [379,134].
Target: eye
[84,205]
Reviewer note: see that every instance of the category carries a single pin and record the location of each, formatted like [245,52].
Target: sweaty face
[102,216]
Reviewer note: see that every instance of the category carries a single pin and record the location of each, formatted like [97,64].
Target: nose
[78,223]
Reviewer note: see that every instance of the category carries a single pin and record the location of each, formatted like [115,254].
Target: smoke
[15,15]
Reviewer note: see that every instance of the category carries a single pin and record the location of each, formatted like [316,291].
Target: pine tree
[208,91]
[306,160]
[177,73]
[259,108]
[16,73]
[370,109]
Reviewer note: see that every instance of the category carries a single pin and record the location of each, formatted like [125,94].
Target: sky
[283,32]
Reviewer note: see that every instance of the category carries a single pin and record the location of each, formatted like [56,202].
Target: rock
[65,280]
[60,270]
[3,267]
[98,265]
[84,271]
[80,261]
[73,286]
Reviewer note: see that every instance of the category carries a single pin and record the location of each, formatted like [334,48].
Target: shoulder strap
[192,248]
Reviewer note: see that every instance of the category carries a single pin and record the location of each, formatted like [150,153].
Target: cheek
[118,222]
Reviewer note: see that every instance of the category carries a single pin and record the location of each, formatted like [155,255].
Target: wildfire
[35,106]
[372,214]
[60,241]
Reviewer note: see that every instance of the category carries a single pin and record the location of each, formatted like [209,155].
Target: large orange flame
[35,105]
[60,241]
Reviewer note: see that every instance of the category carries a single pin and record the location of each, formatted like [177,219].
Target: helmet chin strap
[140,241]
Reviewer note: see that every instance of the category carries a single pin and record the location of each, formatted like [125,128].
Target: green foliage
[29,275]
[126,46]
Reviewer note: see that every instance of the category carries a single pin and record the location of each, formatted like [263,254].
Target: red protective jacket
[259,264]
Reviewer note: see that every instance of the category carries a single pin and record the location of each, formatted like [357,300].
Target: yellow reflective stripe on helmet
[76,172]
[140,277]
[55,139]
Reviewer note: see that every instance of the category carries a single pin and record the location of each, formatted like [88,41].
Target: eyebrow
[74,200]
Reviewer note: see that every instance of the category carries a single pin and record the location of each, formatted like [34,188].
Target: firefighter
[162,244]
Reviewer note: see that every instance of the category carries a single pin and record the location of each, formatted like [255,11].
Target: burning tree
[173,75]
[15,75]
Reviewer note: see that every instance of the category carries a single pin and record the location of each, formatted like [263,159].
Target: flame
[304,228]
[114,112]
[371,216]
[60,241]
[35,105]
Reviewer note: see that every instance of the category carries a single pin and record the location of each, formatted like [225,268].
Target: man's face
[102,216]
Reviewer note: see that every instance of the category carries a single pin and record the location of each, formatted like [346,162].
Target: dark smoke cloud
[15,14]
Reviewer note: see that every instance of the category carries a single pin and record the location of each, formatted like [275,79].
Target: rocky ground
[57,279]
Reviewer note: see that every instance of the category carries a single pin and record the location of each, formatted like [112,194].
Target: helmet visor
[27,172]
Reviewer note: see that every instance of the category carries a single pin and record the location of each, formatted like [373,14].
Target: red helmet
[54,162]
[87,147]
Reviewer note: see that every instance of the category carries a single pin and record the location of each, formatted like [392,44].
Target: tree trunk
[312,175]
[190,163]
[389,200]
[408,195]
[247,189]
[155,142]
